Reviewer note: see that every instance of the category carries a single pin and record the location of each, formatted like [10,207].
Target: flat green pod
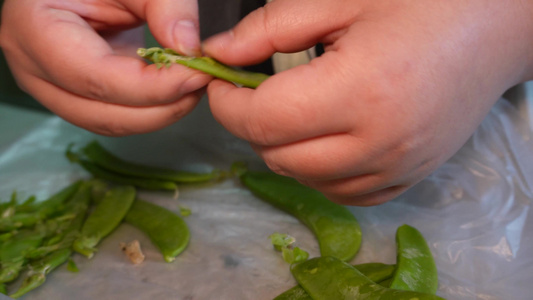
[335,227]
[166,230]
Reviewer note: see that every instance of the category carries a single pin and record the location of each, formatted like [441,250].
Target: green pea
[107,160]
[376,272]
[106,216]
[165,229]
[336,229]
[416,269]
[330,278]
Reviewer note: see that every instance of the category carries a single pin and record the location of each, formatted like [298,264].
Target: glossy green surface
[416,269]
[166,230]
[325,278]
[376,272]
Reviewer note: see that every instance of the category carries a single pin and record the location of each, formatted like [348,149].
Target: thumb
[279,26]
[174,24]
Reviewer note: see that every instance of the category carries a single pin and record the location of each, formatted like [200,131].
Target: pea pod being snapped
[106,216]
[165,229]
[166,57]
[416,269]
[330,278]
[335,227]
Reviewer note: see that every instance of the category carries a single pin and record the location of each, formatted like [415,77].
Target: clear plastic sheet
[474,212]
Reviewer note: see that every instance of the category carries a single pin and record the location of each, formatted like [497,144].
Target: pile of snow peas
[37,237]
[40,236]
[76,219]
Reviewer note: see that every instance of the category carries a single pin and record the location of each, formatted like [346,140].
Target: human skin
[401,87]
[78,58]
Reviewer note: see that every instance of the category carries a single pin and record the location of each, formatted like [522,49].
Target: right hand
[78,58]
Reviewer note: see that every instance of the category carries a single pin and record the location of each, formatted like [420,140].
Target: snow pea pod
[205,64]
[106,216]
[144,183]
[12,253]
[335,227]
[39,269]
[165,229]
[107,160]
[416,269]
[377,272]
[330,278]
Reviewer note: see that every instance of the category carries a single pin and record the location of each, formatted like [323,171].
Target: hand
[401,87]
[78,59]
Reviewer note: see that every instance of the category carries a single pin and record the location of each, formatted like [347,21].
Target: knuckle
[96,88]
[112,128]
[257,131]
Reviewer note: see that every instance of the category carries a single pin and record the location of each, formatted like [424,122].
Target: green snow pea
[376,272]
[107,160]
[166,230]
[336,229]
[330,278]
[416,269]
[144,183]
[106,216]
[166,57]
[39,269]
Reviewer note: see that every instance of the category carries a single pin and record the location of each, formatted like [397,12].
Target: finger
[111,119]
[368,199]
[175,24]
[280,26]
[293,105]
[68,52]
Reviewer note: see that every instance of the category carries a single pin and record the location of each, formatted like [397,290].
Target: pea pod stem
[165,57]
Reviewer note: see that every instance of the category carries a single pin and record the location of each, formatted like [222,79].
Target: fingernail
[187,38]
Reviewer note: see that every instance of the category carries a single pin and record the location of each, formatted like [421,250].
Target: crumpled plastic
[474,212]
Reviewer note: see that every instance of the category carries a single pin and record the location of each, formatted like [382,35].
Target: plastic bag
[474,212]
